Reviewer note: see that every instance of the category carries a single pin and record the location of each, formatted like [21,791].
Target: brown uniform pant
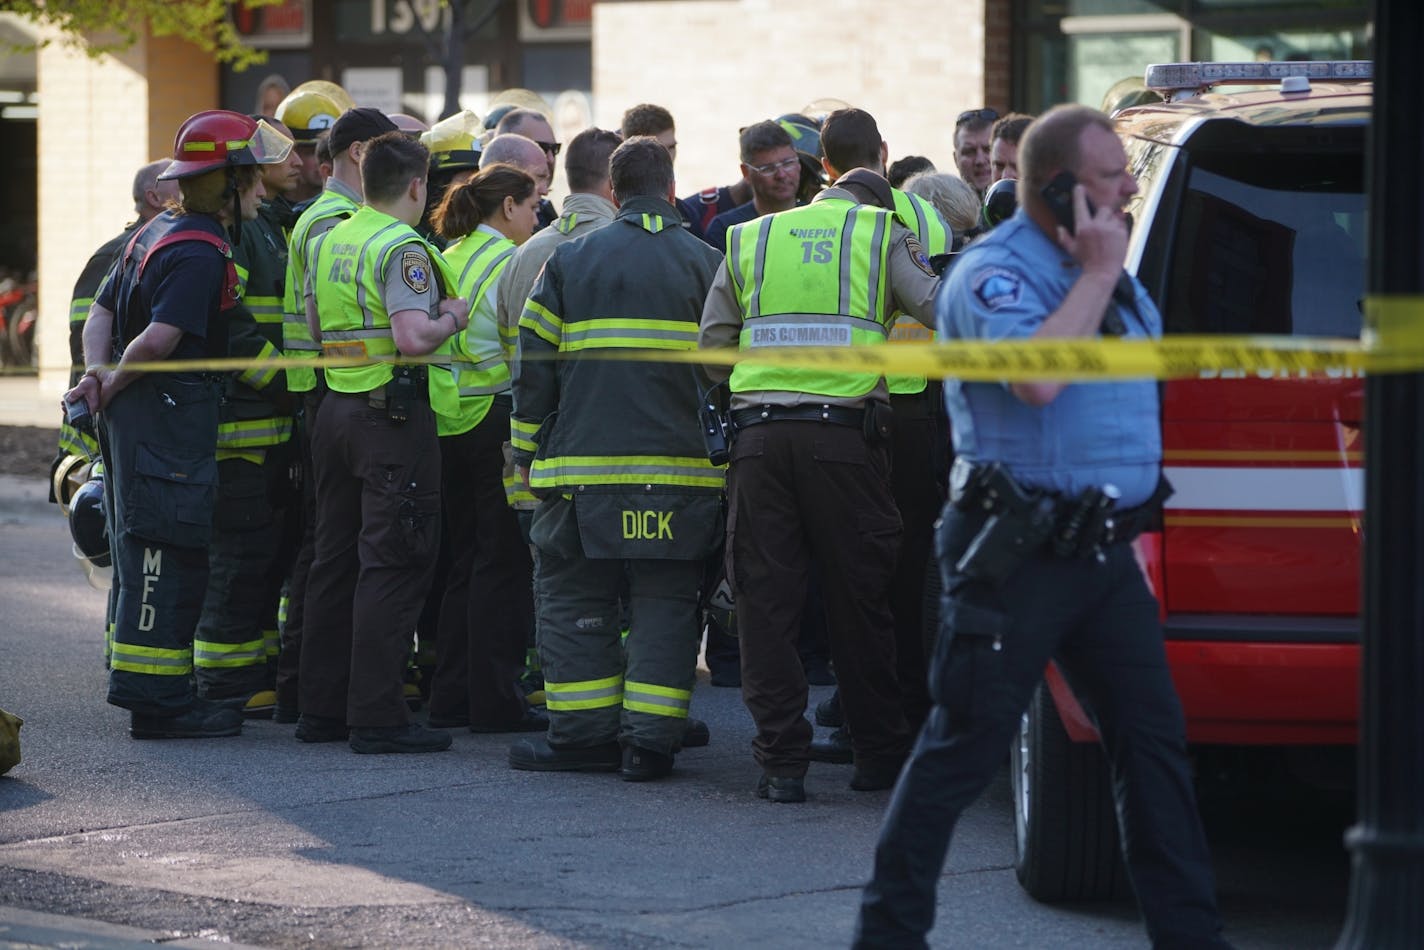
[794,487]
[377,532]
[487,611]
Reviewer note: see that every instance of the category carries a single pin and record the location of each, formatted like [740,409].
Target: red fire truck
[1250,220]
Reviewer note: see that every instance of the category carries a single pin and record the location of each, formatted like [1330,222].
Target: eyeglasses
[976,115]
[771,168]
[551,147]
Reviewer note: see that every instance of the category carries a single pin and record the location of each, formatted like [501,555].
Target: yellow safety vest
[812,276]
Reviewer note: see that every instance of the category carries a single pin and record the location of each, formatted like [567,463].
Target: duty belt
[835,415]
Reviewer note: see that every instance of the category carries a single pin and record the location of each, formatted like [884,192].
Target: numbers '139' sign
[403,16]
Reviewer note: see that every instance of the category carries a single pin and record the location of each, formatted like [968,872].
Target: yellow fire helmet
[454,143]
[329,89]
[307,114]
[522,99]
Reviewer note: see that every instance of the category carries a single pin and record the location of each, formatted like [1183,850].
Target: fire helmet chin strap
[234,229]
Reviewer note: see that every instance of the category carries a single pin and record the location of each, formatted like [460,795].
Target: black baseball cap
[359,125]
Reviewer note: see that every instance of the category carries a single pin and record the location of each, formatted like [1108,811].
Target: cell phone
[77,413]
[1058,195]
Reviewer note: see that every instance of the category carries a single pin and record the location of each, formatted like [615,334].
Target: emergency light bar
[1168,77]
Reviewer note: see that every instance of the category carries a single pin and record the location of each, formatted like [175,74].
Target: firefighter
[339,199]
[309,111]
[236,644]
[77,446]
[374,288]
[807,443]
[486,611]
[628,493]
[167,299]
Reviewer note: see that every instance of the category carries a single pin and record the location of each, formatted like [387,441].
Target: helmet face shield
[267,146]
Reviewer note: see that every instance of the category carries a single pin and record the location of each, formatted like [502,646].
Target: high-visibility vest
[935,237]
[296,338]
[476,359]
[348,264]
[812,276]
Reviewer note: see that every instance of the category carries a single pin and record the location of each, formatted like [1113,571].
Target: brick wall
[721,64]
[998,54]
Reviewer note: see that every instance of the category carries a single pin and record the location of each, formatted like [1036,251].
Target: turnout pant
[235,646]
[796,487]
[1099,622]
[377,532]
[158,439]
[487,613]
[289,657]
[593,694]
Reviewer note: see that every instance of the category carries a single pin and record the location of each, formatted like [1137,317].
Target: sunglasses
[551,147]
[972,115]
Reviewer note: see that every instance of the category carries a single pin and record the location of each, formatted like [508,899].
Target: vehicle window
[1269,243]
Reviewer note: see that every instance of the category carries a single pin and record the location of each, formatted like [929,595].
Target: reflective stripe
[657,700]
[542,321]
[79,309]
[248,433]
[273,641]
[566,223]
[74,442]
[685,471]
[515,494]
[809,333]
[159,661]
[262,375]
[586,694]
[208,655]
[255,456]
[652,223]
[613,333]
[522,433]
[267,310]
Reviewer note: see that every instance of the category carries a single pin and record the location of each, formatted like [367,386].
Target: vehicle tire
[1065,826]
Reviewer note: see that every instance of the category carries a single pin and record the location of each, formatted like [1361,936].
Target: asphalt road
[263,840]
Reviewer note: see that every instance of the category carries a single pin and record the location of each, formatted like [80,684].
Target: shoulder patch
[415,271]
[917,254]
[997,287]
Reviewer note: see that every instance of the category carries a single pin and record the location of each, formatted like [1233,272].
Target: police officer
[166,299]
[1043,458]
[375,289]
[236,643]
[811,459]
[615,447]
[338,200]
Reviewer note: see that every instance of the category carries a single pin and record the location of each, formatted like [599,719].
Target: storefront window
[1073,50]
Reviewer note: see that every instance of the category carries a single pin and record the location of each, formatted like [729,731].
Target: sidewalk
[25,402]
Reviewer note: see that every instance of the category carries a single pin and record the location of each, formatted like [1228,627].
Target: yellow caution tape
[1392,342]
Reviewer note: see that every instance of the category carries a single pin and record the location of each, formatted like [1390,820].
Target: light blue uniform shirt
[1002,288]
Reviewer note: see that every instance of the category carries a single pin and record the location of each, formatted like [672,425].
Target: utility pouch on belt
[407,385]
[879,423]
[1018,522]
[716,425]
